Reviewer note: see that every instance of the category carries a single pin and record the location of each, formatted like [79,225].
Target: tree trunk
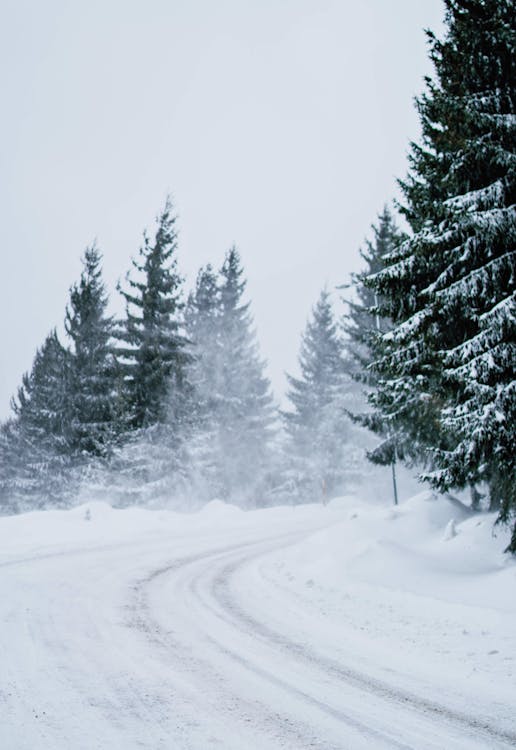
[512,544]
[476,497]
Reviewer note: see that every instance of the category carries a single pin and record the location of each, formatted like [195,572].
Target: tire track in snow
[222,594]
[212,561]
[283,731]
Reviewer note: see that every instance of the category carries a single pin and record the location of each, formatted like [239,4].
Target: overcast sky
[278,125]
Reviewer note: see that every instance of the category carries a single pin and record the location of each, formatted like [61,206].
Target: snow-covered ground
[350,626]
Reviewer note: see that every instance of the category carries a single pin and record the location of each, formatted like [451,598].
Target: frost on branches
[447,369]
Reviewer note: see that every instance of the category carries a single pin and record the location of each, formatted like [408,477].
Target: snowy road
[186,640]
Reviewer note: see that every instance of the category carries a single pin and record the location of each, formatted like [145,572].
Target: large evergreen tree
[450,287]
[154,351]
[233,409]
[150,465]
[93,410]
[244,408]
[318,428]
[35,447]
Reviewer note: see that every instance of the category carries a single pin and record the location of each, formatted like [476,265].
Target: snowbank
[411,547]
[424,588]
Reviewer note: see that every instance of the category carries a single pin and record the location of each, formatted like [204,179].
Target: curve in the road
[206,580]
[221,590]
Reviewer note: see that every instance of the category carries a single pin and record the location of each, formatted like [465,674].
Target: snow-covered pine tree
[202,323]
[93,403]
[7,504]
[450,288]
[36,452]
[361,323]
[154,352]
[363,327]
[318,428]
[150,466]
[234,406]
[244,409]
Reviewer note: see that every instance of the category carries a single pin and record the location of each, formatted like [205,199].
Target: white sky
[279,125]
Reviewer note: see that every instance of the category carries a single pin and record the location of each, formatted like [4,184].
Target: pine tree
[93,398]
[363,327]
[362,322]
[233,403]
[9,467]
[154,356]
[244,409]
[155,348]
[36,452]
[450,287]
[317,426]
[202,322]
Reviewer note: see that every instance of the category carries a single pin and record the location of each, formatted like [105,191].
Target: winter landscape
[195,554]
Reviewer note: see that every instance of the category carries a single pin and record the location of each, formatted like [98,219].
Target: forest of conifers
[172,400]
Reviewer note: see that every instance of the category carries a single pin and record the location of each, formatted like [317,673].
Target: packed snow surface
[351,626]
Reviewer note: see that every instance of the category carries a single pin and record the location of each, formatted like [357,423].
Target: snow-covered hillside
[355,625]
